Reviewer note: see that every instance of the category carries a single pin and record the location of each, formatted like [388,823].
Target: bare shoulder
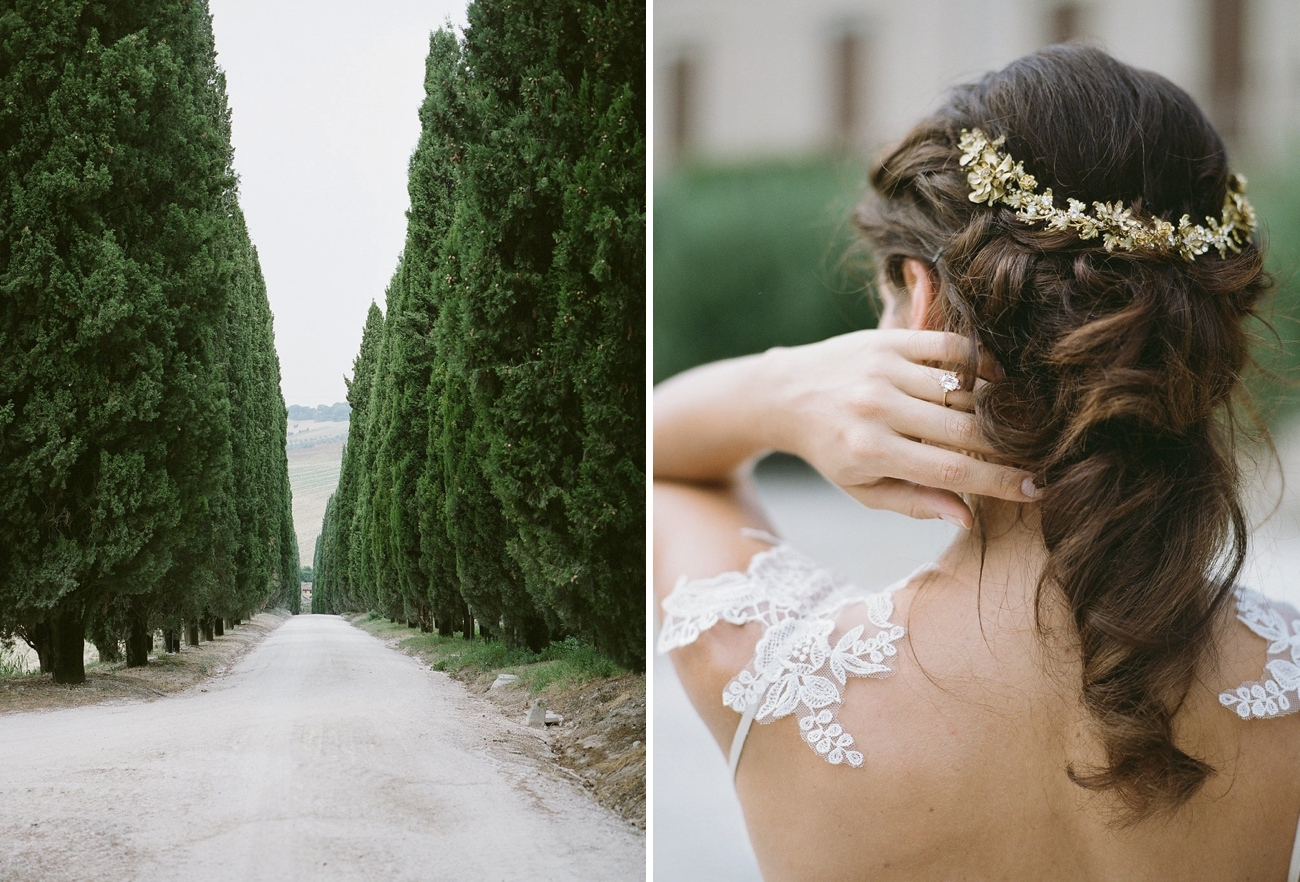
[962,716]
[1253,685]
[978,709]
[699,533]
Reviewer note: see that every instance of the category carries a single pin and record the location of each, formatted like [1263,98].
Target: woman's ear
[920,291]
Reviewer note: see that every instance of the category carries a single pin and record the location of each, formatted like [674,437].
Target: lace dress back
[801,665]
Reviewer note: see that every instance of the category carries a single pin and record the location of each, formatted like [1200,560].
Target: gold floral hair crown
[995,177]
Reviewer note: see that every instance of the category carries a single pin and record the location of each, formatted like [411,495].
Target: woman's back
[967,743]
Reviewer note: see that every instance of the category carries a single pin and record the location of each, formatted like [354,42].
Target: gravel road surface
[322,755]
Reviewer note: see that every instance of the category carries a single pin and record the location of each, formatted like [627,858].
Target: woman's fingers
[941,346]
[946,348]
[946,426]
[949,470]
[926,383]
[922,503]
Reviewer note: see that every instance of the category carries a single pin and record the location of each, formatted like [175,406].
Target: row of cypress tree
[143,478]
[494,469]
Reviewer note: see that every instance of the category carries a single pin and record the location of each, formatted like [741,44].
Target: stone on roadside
[503,679]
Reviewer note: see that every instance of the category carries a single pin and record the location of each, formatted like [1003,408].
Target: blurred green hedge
[1276,198]
[755,256]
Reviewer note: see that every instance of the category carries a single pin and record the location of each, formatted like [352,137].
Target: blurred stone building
[737,79]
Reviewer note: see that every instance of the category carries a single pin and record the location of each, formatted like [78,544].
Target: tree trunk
[38,638]
[217,626]
[138,640]
[110,650]
[69,636]
[208,629]
[534,633]
[467,626]
[171,640]
[193,632]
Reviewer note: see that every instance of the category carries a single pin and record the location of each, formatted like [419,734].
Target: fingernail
[1027,487]
[954,520]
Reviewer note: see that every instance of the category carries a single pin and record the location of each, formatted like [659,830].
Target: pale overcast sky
[324,97]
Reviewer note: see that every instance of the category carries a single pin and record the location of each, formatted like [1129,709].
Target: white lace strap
[795,670]
[1277,692]
[742,732]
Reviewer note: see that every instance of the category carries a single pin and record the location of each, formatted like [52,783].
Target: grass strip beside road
[564,664]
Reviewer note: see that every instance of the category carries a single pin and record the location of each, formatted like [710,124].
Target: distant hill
[313,475]
[325,413]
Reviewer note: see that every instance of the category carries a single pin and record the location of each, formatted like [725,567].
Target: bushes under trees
[753,256]
[494,470]
[142,469]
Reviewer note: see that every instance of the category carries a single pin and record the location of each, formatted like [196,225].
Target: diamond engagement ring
[950,383]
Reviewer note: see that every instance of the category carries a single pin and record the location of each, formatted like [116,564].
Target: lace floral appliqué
[796,668]
[1269,698]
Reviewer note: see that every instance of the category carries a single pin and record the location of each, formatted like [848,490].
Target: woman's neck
[1003,553]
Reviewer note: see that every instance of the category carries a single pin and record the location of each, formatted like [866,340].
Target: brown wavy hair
[1121,370]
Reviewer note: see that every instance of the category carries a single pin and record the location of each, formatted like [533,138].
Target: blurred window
[848,67]
[681,95]
[1227,63]
[1067,23]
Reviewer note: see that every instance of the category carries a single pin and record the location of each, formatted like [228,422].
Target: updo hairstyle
[1121,370]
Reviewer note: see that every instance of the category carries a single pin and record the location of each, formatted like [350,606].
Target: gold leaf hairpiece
[995,177]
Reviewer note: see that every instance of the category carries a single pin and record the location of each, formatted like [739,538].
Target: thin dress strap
[1293,874]
[742,732]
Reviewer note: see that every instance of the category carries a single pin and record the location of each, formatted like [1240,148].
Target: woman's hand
[867,412]
[864,409]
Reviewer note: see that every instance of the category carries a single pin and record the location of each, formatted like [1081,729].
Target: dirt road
[322,755]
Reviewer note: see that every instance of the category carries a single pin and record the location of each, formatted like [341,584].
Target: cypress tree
[115,162]
[398,431]
[551,334]
[372,564]
[323,590]
[434,179]
[266,556]
[514,341]
[134,329]
[336,554]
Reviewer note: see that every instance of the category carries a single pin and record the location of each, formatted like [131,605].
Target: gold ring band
[949,382]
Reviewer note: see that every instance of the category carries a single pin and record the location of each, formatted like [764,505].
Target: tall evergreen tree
[324,590]
[514,341]
[553,251]
[343,592]
[433,186]
[115,165]
[134,331]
